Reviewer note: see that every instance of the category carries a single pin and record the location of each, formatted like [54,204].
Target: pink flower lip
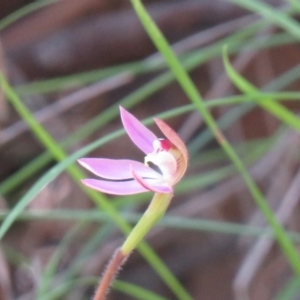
[126,177]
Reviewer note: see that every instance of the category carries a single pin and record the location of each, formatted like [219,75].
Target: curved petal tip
[172,136]
[152,185]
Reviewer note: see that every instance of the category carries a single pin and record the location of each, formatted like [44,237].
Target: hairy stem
[114,265]
[154,212]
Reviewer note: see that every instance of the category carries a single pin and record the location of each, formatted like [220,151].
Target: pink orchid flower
[126,177]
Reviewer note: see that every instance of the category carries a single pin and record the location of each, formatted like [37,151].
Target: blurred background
[72,62]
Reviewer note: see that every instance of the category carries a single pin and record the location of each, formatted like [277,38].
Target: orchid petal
[115,187]
[141,136]
[116,168]
[152,185]
[173,137]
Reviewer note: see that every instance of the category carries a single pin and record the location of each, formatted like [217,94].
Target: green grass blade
[275,108]
[69,81]
[275,16]
[47,178]
[136,291]
[295,4]
[22,12]
[53,263]
[60,291]
[89,247]
[175,222]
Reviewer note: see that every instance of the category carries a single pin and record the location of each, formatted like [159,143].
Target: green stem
[154,212]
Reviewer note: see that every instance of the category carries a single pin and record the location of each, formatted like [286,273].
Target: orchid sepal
[169,155]
[120,188]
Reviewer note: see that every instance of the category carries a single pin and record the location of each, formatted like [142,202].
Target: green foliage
[109,212]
